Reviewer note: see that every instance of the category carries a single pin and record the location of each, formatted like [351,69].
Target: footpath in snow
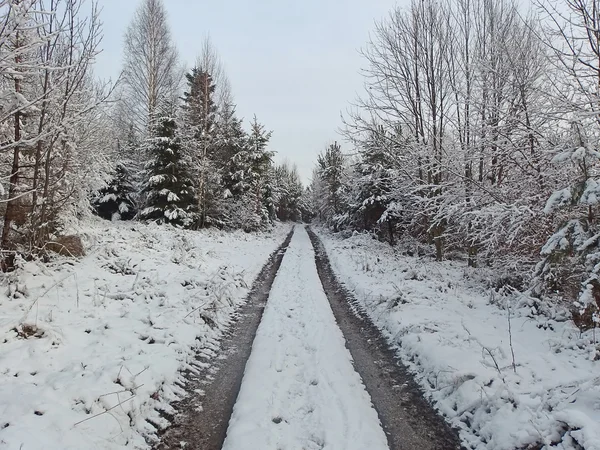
[455,335]
[90,349]
[300,390]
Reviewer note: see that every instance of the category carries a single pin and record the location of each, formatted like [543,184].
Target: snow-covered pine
[117,201]
[331,186]
[247,176]
[199,116]
[371,192]
[169,192]
[286,197]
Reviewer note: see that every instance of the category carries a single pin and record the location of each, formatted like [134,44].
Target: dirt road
[309,373]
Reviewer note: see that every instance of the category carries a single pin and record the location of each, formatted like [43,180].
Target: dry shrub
[70,245]
[584,318]
[26,331]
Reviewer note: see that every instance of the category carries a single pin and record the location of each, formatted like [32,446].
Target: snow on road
[300,390]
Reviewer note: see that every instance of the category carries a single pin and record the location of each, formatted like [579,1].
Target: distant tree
[169,191]
[288,197]
[331,173]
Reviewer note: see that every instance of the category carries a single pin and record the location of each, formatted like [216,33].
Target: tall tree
[331,168]
[151,74]
[199,120]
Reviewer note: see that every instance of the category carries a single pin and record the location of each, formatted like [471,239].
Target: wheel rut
[409,421]
[203,416]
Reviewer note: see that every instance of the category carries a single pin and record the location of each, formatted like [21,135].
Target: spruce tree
[117,200]
[331,171]
[247,177]
[170,195]
[199,131]
[373,183]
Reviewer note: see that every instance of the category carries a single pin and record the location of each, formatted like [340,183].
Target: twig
[48,290]
[512,350]
[104,412]
[121,392]
[483,347]
[196,309]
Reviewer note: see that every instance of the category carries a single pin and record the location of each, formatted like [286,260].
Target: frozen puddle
[300,390]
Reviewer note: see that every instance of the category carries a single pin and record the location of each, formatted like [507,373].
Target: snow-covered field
[456,337]
[300,390]
[90,349]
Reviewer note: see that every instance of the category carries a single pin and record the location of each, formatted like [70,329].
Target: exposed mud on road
[408,420]
[202,420]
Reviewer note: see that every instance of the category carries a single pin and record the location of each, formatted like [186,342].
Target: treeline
[478,135]
[160,144]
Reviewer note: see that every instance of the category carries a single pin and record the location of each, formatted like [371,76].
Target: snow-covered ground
[90,349]
[456,337]
[300,390]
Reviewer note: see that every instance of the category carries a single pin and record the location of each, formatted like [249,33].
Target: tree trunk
[11,205]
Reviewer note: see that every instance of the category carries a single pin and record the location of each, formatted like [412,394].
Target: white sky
[294,63]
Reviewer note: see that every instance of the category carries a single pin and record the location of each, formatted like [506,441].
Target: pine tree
[372,199]
[199,120]
[231,145]
[331,172]
[170,195]
[247,175]
[570,256]
[289,195]
[118,200]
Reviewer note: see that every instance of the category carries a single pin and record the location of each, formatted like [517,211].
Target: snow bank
[454,334]
[91,349]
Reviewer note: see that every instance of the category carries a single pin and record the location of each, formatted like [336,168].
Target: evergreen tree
[170,195]
[247,176]
[199,130]
[372,198]
[118,200]
[289,195]
[570,265]
[331,172]
[231,139]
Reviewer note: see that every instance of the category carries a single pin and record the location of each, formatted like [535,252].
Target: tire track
[409,422]
[203,416]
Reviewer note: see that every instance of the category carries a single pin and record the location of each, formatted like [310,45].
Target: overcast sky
[295,64]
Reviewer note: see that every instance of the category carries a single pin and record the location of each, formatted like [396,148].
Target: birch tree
[151,74]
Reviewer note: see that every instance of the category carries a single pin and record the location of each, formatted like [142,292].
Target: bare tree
[210,62]
[151,73]
[53,49]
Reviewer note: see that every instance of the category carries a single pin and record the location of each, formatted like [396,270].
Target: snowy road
[300,390]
